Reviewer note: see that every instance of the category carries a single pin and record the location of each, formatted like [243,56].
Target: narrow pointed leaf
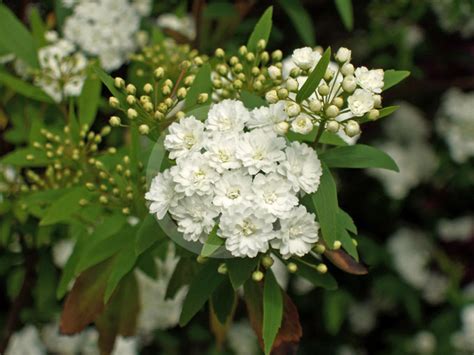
[201,84]
[393,77]
[300,20]
[240,270]
[313,80]
[261,31]
[344,7]
[212,243]
[272,310]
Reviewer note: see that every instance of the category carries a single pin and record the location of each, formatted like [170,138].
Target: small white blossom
[302,167]
[233,190]
[195,217]
[305,58]
[184,137]
[260,151]
[228,116]
[302,124]
[273,194]
[221,149]
[370,80]
[247,231]
[298,233]
[162,194]
[269,117]
[360,102]
[194,175]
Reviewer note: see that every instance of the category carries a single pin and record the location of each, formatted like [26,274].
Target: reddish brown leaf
[86,299]
[345,262]
[220,329]
[120,315]
[290,332]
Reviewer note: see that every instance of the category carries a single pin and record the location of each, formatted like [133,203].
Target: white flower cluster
[455,123]
[183,25]
[455,16]
[464,339]
[460,229]
[63,68]
[407,136]
[411,252]
[234,170]
[345,93]
[106,29]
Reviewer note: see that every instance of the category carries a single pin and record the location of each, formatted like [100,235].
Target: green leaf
[325,202]
[212,243]
[346,221]
[203,285]
[251,100]
[331,138]
[335,306]
[345,238]
[272,310]
[23,88]
[382,113]
[223,299]
[15,38]
[89,100]
[69,269]
[300,20]
[38,28]
[123,264]
[147,235]
[200,112]
[202,84]
[315,77]
[63,208]
[99,249]
[61,13]
[240,270]
[183,274]
[261,31]
[20,157]
[393,77]
[358,156]
[316,278]
[344,7]
[109,83]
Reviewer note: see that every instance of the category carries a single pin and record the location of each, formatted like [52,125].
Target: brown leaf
[86,299]
[345,262]
[290,332]
[120,315]
[220,329]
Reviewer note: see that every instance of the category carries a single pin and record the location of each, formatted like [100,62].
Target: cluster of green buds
[157,103]
[257,71]
[66,158]
[169,55]
[342,98]
[116,186]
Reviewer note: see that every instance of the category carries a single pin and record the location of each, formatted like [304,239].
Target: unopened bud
[267,261]
[113,102]
[349,84]
[332,111]
[203,97]
[373,114]
[114,121]
[292,267]
[271,96]
[144,129]
[282,127]
[292,84]
[148,88]
[347,69]
[315,105]
[132,113]
[322,268]
[332,126]
[257,276]
[352,128]
[323,89]
[119,82]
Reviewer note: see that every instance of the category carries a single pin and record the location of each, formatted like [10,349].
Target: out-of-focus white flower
[242,339]
[60,344]
[105,29]
[143,7]
[455,18]
[184,137]
[183,25]
[63,70]
[298,233]
[26,342]
[424,342]
[302,167]
[156,311]
[360,102]
[362,317]
[62,250]
[464,339]
[435,288]
[455,123]
[305,58]
[370,80]
[458,229]
[406,125]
